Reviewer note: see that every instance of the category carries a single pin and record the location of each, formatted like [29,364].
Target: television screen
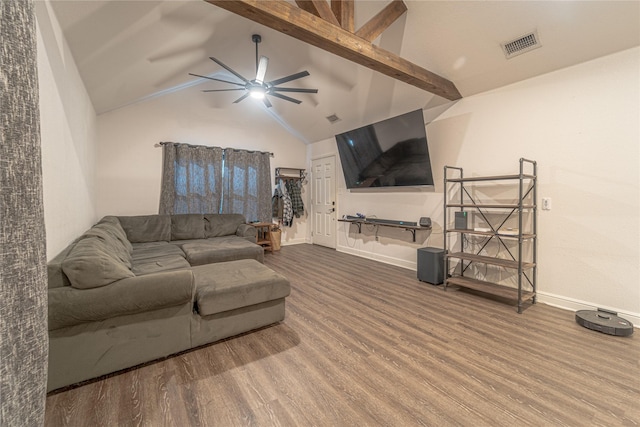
[389,153]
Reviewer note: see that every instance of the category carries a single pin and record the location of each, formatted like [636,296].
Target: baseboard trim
[575,305]
[548,298]
[293,241]
[376,257]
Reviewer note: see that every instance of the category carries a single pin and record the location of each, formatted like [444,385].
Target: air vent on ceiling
[521,45]
[333,119]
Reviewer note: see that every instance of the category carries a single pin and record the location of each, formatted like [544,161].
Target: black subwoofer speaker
[430,265]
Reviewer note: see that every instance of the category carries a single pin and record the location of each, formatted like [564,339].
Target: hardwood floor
[365,343]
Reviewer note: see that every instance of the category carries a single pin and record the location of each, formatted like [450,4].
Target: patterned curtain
[247,184]
[24,341]
[191,179]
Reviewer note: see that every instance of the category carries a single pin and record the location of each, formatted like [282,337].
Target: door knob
[331,210]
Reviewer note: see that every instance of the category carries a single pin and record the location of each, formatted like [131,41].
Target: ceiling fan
[258,88]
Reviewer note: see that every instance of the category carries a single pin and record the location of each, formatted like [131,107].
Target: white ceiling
[128,51]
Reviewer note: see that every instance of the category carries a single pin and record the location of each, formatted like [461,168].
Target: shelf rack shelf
[492,233]
[526,269]
[489,287]
[263,237]
[294,174]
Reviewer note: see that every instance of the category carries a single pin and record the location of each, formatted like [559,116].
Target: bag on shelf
[276,236]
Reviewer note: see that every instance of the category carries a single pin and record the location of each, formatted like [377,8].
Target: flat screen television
[390,153]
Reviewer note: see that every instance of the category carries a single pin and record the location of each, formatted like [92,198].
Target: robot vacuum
[604,321]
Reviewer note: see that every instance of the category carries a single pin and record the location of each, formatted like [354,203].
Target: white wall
[68,135]
[582,126]
[130,164]
[393,246]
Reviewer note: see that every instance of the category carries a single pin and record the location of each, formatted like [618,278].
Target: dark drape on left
[24,344]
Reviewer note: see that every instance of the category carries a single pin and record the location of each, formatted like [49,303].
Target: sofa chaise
[133,289]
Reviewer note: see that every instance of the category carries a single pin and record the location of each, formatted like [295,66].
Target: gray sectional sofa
[137,288]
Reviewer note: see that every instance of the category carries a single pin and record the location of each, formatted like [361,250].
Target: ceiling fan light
[257,92]
[258,88]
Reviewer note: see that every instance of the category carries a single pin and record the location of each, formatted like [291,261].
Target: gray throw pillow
[91,264]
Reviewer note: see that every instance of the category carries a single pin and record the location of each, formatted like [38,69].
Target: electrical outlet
[546,203]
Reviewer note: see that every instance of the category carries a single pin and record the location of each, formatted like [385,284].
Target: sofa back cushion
[55,275]
[217,225]
[116,229]
[117,248]
[147,228]
[187,226]
[91,263]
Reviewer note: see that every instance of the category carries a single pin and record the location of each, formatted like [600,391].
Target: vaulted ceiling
[131,51]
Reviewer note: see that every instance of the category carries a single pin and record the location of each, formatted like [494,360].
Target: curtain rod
[209,146]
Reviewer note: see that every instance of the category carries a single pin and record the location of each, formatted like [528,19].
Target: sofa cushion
[158,264]
[91,263]
[104,232]
[187,226]
[55,275]
[142,251]
[248,232]
[226,286]
[146,228]
[150,244]
[216,225]
[117,230]
[221,249]
[69,306]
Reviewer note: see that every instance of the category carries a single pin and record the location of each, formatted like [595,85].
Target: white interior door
[323,201]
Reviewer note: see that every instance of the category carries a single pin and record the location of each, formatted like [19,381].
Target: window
[199,179]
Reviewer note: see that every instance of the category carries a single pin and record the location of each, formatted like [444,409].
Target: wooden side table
[264,234]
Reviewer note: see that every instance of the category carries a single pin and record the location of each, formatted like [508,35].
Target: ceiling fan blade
[266,102]
[286,98]
[293,89]
[223,90]
[241,98]
[295,76]
[262,69]
[228,69]
[218,80]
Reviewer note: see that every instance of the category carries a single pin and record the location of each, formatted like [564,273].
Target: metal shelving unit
[458,262]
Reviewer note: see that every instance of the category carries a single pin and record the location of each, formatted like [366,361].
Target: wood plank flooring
[365,343]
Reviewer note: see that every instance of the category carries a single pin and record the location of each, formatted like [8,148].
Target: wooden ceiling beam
[387,16]
[302,25]
[319,8]
[344,12]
